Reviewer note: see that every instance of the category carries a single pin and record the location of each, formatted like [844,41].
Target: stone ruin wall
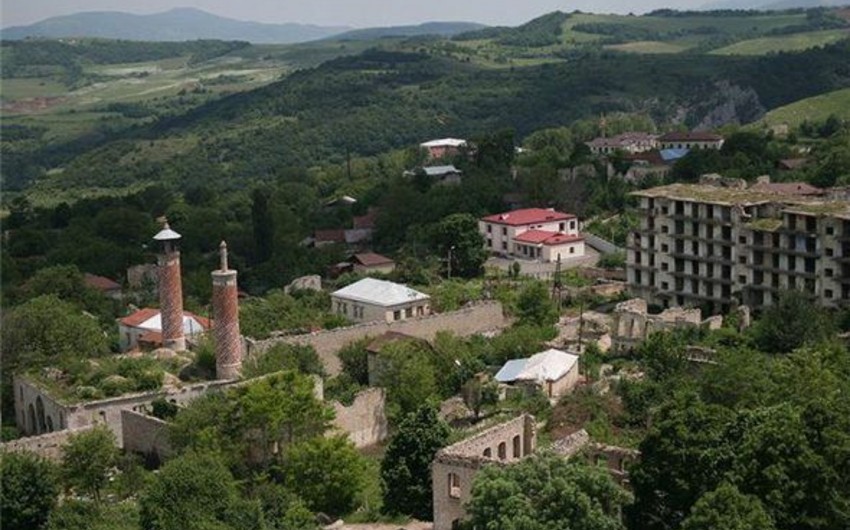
[365,420]
[477,318]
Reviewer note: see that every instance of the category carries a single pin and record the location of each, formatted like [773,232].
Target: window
[665,286]
[742,260]
[396,315]
[742,279]
[454,485]
[827,293]
[517,447]
[664,266]
[830,230]
[488,453]
[489,229]
[503,451]
[561,227]
[829,251]
[504,231]
[572,250]
[828,273]
[504,245]
[408,313]
[572,225]
[665,247]
[489,242]
[742,240]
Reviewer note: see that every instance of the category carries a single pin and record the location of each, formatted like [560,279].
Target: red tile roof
[140,316]
[371,259]
[787,188]
[652,158]
[527,216]
[690,136]
[101,283]
[143,315]
[546,237]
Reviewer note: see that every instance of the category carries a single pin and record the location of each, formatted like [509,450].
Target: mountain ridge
[178,24]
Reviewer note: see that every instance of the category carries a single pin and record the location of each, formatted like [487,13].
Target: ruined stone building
[455,466]
[719,243]
[632,323]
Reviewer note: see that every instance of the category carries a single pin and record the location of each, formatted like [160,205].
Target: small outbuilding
[553,371]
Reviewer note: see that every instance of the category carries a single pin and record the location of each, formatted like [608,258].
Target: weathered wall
[455,466]
[467,321]
[48,445]
[145,434]
[365,420]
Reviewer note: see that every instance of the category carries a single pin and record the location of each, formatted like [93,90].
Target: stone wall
[365,420]
[48,445]
[470,320]
[632,323]
[455,466]
[145,434]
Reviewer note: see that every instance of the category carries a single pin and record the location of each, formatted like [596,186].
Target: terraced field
[784,43]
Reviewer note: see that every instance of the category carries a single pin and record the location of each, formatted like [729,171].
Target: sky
[356,13]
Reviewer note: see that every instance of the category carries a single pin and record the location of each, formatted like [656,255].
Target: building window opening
[517,447]
[454,485]
[488,453]
[503,451]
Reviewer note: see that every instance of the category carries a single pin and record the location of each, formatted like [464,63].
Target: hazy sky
[358,13]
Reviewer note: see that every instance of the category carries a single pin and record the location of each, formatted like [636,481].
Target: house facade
[691,140]
[630,142]
[378,300]
[443,147]
[533,233]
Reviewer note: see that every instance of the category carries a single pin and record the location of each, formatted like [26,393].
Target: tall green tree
[406,467]
[457,238]
[792,322]
[29,491]
[546,491]
[196,492]
[328,473]
[535,307]
[87,459]
[726,507]
[407,373]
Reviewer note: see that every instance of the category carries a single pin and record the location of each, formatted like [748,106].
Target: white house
[371,299]
[533,233]
[630,142]
[554,371]
[145,327]
[443,147]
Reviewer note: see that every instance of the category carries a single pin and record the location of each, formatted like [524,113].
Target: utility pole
[556,281]
[449,263]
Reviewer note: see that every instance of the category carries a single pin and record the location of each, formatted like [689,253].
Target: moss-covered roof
[746,196]
[768,224]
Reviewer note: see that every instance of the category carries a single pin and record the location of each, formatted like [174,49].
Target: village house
[370,299]
[447,174]
[442,148]
[555,372]
[107,287]
[533,233]
[630,142]
[370,262]
[691,140]
[144,328]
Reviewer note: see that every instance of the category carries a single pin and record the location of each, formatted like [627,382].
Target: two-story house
[533,233]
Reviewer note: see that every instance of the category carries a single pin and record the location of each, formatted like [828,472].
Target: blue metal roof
[673,154]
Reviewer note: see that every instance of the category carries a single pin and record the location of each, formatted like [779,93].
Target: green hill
[784,43]
[817,108]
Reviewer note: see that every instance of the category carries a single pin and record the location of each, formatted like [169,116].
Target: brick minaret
[170,289]
[228,343]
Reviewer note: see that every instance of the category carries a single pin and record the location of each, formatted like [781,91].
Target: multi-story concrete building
[719,243]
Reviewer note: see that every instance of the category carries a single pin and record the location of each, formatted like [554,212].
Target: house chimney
[170,289]
[228,342]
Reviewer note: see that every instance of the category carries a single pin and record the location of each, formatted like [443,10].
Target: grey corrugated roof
[510,370]
[380,292]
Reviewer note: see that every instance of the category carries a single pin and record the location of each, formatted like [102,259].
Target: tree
[792,322]
[477,393]
[406,467]
[30,490]
[545,491]
[328,473]
[535,307]
[457,238]
[87,459]
[195,492]
[407,373]
[726,507]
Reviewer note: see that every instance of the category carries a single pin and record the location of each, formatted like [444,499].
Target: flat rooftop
[728,196]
